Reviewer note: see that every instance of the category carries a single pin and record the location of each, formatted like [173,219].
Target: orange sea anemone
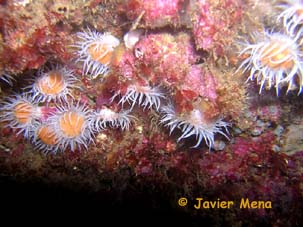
[45,138]
[95,50]
[20,112]
[53,84]
[274,61]
[72,125]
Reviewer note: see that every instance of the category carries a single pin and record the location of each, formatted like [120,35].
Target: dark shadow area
[55,202]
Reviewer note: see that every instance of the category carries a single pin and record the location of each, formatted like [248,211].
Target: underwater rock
[293,139]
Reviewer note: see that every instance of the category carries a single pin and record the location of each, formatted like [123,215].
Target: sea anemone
[292,15]
[193,123]
[274,61]
[20,112]
[53,85]
[106,116]
[95,50]
[45,138]
[144,96]
[72,125]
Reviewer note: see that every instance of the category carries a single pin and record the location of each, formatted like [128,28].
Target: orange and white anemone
[21,113]
[275,61]
[292,16]
[53,85]
[95,50]
[72,125]
[45,138]
[193,124]
[106,116]
[144,96]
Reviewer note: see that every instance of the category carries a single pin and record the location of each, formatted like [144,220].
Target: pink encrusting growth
[46,112]
[126,65]
[156,13]
[201,82]
[214,22]
[168,57]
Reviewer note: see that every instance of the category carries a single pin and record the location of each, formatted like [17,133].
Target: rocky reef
[165,99]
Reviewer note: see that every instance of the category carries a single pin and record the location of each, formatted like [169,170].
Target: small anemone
[144,96]
[106,116]
[193,124]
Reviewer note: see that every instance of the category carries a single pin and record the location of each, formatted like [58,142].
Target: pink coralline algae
[126,65]
[156,13]
[46,112]
[244,146]
[33,46]
[169,57]
[246,154]
[214,22]
[201,82]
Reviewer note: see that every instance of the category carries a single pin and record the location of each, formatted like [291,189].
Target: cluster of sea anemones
[137,90]
[275,59]
[98,51]
[48,115]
